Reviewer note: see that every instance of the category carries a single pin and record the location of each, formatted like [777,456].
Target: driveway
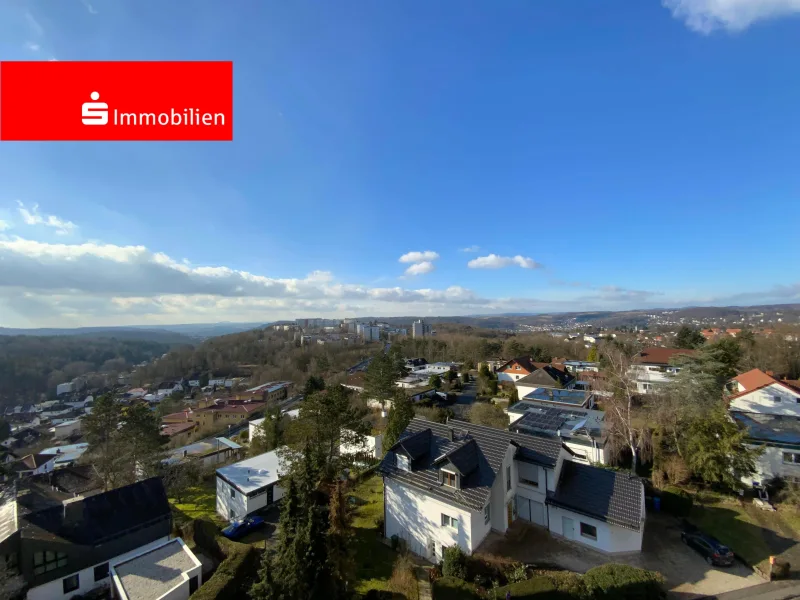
[265,535]
[464,400]
[687,574]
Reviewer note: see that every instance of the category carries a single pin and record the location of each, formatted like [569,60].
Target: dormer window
[449,479]
[402,462]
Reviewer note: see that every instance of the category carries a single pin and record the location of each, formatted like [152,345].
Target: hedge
[452,588]
[676,501]
[232,578]
[536,588]
[623,582]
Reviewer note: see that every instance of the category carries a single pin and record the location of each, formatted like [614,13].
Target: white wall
[593,454]
[55,589]
[417,518]
[762,401]
[240,505]
[228,507]
[64,431]
[510,376]
[770,464]
[372,444]
[610,538]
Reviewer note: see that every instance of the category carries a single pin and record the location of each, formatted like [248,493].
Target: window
[233,493]
[528,474]
[776,398]
[487,513]
[402,462]
[791,458]
[48,561]
[508,477]
[518,368]
[449,479]
[71,583]
[101,572]
[448,521]
[589,531]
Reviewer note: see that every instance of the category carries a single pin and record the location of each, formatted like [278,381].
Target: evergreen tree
[465,377]
[435,381]
[313,384]
[340,556]
[689,338]
[269,433]
[380,377]
[592,357]
[717,452]
[101,428]
[141,440]
[400,416]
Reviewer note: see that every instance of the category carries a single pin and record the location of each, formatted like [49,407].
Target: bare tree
[626,422]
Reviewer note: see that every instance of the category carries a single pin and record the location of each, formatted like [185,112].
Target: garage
[530,510]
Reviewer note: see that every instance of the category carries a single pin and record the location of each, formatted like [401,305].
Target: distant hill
[164,336]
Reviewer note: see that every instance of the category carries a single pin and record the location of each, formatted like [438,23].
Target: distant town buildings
[420,329]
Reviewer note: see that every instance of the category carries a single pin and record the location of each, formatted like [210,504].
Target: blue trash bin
[657,504]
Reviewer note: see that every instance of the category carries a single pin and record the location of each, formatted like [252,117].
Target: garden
[468,577]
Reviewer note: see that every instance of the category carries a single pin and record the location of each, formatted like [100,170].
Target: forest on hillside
[261,354]
[32,366]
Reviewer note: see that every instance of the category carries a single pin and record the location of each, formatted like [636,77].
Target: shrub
[454,562]
[623,582]
[518,572]
[568,583]
[536,588]
[232,577]
[403,580]
[451,588]
[676,501]
[676,470]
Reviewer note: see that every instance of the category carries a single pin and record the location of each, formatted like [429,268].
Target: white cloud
[32,46]
[471,249]
[34,24]
[4,225]
[420,268]
[33,217]
[416,257]
[89,7]
[705,16]
[493,261]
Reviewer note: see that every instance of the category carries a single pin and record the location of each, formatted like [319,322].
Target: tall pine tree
[340,555]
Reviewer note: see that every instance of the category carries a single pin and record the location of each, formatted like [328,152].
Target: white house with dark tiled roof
[454,483]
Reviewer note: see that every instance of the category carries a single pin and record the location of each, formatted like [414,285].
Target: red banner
[116,101]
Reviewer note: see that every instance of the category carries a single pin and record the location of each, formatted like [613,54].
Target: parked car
[241,527]
[708,547]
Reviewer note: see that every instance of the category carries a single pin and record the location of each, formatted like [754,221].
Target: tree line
[32,366]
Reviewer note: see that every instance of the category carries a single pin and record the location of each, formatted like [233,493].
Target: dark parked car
[709,548]
[242,527]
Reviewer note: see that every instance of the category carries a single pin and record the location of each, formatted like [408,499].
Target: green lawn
[450,588]
[374,560]
[730,523]
[198,501]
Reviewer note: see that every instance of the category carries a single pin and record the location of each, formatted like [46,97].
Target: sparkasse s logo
[116,101]
[95,113]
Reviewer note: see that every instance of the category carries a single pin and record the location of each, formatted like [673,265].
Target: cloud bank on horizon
[707,16]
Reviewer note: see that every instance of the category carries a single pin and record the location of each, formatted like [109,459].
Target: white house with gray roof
[453,483]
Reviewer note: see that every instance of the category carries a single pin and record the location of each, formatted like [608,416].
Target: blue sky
[595,155]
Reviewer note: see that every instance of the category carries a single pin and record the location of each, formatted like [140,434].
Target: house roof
[611,496]
[171,429]
[755,379]
[96,519]
[555,395]
[777,429]
[660,356]
[254,473]
[32,461]
[551,420]
[431,443]
[156,572]
[524,361]
[546,374]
